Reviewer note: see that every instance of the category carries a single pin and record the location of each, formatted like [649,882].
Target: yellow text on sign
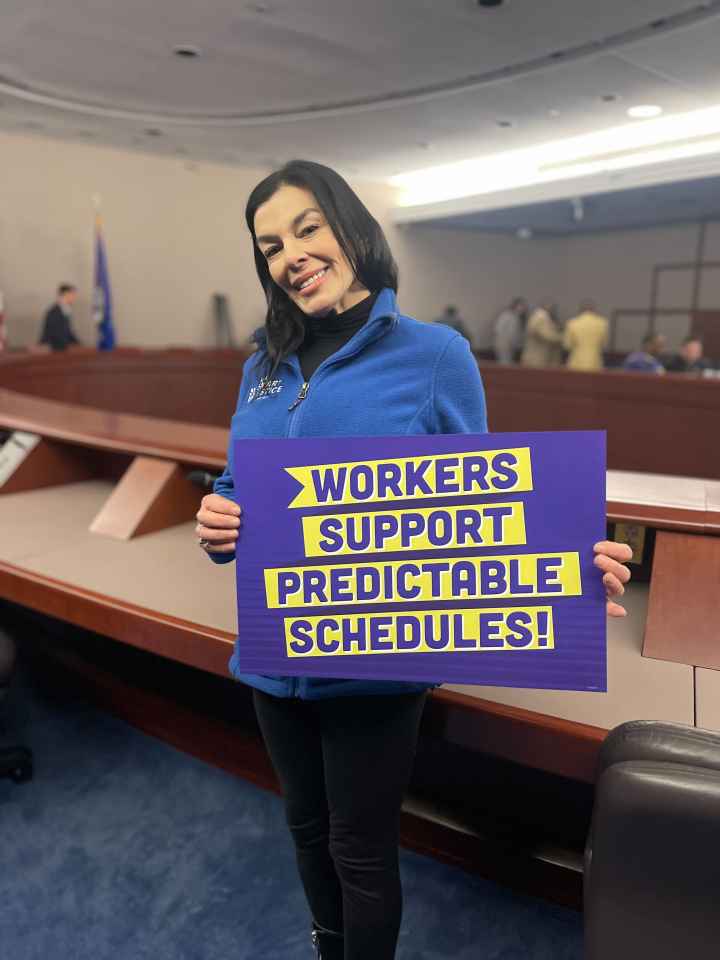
[411,478]
[427,528]
[403,581]
[503,629]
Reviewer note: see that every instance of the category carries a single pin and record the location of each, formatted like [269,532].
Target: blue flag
[102,299]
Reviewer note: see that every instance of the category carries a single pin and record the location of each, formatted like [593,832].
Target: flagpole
[102,303]
[96,200]
[95,314]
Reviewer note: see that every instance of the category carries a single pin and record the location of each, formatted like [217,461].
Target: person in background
[57,332]
[543,338]
[690,359]
[508,333]
[586,336]
[451,318]
[646,359]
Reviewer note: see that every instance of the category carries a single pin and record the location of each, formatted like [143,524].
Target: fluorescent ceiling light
[674,137]
[644,111]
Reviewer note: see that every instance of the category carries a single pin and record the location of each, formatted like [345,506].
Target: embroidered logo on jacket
[266,388]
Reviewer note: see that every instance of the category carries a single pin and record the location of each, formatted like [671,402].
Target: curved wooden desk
[192,386]
[158,592]
[79,425]
[654,424]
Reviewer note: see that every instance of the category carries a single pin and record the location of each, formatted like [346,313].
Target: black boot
[328,944]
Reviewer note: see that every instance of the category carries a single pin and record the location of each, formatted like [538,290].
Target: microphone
[203,479]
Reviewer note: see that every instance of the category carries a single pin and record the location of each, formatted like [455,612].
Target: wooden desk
[73,574]
[654,424]
[124,433]
[192,386]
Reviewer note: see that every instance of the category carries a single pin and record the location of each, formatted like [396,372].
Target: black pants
[344,764]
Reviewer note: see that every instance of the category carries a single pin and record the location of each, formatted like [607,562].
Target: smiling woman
[337,358]
[304,258]
[317,249]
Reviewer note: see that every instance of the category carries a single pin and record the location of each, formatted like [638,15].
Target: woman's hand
[218,524]
[610,557]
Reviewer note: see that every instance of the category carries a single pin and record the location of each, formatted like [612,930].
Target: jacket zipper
[327,363]
[301,396]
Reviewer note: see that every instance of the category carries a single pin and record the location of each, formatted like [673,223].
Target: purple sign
[450,558]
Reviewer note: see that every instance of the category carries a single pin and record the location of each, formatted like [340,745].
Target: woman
[336,358]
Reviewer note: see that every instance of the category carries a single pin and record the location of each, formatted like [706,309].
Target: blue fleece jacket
[395,376]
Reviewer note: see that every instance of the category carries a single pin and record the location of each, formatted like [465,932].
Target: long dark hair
[357,232]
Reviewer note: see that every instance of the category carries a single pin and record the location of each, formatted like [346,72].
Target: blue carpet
[124,848]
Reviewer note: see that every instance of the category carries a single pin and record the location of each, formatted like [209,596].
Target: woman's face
[303,256]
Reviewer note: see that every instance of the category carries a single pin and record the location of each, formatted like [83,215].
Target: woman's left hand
[611,557]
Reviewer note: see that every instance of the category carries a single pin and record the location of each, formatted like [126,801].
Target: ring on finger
[202,542]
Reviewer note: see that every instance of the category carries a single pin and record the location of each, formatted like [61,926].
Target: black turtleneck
[326,335]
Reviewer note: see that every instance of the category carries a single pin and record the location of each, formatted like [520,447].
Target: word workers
[410,478]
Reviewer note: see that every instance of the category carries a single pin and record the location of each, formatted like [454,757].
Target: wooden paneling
[535,740]
[654,424]
[190,643]
[49,464]
[193,386]
[152,495]
[119,432]
[683,622]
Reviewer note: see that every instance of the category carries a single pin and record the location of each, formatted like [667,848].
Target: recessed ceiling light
[524,233]
[186,50]
[489,3]
[609,97]
[424,144]
[153,132]
[553,113]
[644,111]
[505,123]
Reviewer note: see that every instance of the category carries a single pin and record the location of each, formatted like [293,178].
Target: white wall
[175,234]
[174,231]
[615,269]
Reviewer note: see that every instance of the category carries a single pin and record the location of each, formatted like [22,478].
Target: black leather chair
[15,762]
[652,861]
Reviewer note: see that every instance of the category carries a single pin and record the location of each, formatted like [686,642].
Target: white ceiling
[690,201]
[373,87]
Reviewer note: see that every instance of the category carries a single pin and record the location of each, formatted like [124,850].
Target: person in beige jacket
[543,338]
[586,337]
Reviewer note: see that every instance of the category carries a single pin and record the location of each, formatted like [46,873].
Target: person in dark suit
[690,359]
[57,330]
